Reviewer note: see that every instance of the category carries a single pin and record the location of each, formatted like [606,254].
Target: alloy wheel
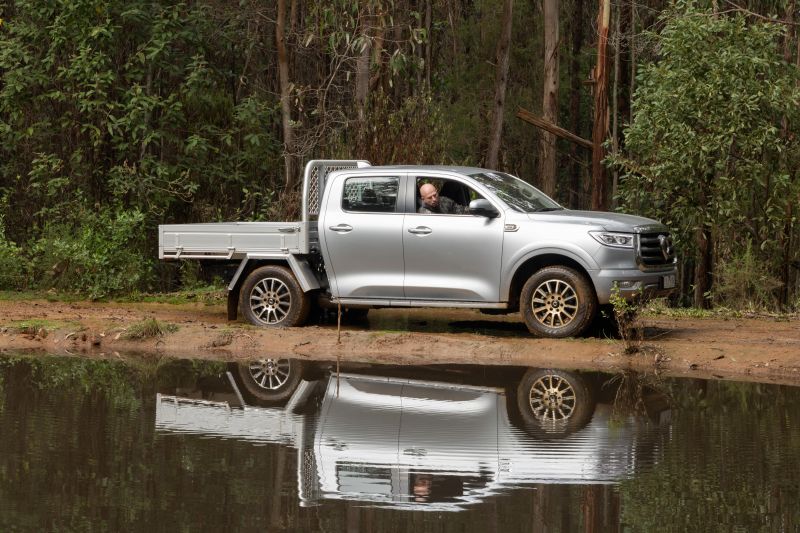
[270,374]
[270,300]
[554,303]
[552,398]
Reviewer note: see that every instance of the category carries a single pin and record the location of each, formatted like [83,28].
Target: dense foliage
[118,116]
[706,150]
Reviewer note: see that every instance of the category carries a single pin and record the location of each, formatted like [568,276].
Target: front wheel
[554,403]
[557,302]
[272,297]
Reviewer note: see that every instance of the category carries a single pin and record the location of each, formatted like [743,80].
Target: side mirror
[483,208]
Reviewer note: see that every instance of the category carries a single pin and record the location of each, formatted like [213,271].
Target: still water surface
[91,445]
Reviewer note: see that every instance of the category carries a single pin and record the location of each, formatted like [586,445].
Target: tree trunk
[283,76]
[632,45]
[786,236]
[428,44]
[703,267]
[615,107]
[547,168]
[599,132]
[576,169]
[362,71]
[501,81]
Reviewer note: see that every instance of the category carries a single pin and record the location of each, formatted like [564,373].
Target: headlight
[615,240]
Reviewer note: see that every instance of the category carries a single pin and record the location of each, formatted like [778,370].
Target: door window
[438,196]
[370,194]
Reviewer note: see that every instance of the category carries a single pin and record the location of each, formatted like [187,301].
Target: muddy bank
[754,349]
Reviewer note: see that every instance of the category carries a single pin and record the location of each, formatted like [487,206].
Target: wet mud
[761,349]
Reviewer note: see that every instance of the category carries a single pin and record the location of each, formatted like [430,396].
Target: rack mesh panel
[316,185]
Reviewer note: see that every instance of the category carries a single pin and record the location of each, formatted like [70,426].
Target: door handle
[420,230]
[341,228]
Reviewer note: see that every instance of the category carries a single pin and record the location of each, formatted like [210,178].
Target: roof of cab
[422,168]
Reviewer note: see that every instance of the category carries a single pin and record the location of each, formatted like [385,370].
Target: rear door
[362,224]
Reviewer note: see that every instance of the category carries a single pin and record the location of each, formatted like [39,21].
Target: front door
[363,228]
[450,254]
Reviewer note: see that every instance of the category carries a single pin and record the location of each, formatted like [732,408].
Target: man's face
[429,194]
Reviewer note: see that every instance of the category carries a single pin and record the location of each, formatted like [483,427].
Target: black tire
[566,302]
[554,403]
[272,297]
[270,381]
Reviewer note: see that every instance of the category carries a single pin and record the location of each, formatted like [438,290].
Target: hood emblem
[666,246]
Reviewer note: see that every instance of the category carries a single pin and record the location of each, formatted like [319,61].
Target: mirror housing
[483,208]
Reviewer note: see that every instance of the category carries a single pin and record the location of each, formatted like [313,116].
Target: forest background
[119,116]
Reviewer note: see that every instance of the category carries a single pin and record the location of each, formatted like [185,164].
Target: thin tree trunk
[547,169]
[362,71]
[501,81]
[398,39]
[600,129]
[419,51]
[428,44]
[704,263]
[283,76]
[576,170]
[615,107]
[786,236]
[379,33]
[632,45]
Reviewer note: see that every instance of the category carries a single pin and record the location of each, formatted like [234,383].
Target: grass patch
[35,325]
[211,295]
[148,328]
[660,308]
[50,296]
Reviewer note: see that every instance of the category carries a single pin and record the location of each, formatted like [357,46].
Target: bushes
[745,282]
[12,265]
[97,254]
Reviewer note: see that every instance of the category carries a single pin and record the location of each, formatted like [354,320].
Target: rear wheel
[557,302]
[272,297]
[270,381]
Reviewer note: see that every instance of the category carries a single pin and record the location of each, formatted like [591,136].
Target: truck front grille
[654,251]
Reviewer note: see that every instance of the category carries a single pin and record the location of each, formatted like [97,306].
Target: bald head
[429,194]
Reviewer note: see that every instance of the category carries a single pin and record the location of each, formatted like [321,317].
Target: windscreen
[517,194]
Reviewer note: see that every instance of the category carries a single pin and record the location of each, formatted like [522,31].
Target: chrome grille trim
[654,251]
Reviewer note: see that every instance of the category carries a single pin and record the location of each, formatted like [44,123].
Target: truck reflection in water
[392,439]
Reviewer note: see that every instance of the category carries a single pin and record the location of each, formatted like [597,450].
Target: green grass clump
[35,325]
[210,295]
[148,328]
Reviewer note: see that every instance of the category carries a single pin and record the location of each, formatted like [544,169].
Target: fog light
[627,284]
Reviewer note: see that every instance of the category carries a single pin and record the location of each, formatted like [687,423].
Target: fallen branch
[541,123]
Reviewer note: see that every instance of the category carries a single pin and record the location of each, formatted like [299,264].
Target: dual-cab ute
[368,239]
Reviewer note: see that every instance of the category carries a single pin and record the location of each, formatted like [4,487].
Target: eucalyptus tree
[704,151]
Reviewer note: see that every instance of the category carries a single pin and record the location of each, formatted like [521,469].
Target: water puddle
[282,445]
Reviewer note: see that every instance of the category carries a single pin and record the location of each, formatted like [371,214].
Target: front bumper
[633,283]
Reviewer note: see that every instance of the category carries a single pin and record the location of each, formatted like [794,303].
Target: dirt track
[758,349]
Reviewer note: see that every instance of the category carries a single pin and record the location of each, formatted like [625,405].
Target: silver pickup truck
[368,239]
